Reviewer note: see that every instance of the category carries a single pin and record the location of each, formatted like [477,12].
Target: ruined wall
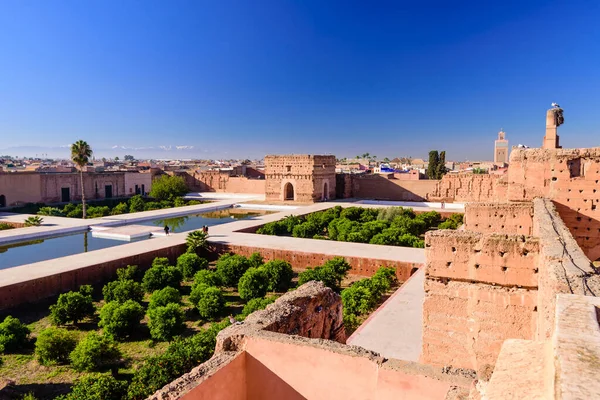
[223,182]
[272,365]
[569,177]
[509,218]
[466,187]
[563,266]
[380,187]
[364,266]
[309,176]
[20,187]
[133,179]
[481,289]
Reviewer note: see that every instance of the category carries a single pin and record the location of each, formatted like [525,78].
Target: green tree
[97,387]
[120,208]
[441,167]
[432,168]
[206,277]
[168,187]
[162,297]
[230,268]
[73,306]
[253,284]
[94,352]
[279,275]
[190,263]
[165,322]
[80,155]
[123,290]
[129,272]
[161,276]
[53,346]
[196,241]
[255,305]
[208,300]
[136,204]
[14,335]
[256,259]
[120,320]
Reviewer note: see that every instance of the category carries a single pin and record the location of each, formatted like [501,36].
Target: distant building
[501,148]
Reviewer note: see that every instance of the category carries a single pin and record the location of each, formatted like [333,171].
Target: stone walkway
[395,330]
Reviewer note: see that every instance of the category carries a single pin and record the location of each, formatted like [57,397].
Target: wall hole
[476,266]
[504,269]
[454,249]
[449,264]
[535,270]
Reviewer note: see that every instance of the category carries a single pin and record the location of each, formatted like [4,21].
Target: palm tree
[80,155]
[195,241]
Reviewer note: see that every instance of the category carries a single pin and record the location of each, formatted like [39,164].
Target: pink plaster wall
[278,370]
[227,383]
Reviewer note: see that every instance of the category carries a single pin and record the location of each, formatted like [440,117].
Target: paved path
[395,330]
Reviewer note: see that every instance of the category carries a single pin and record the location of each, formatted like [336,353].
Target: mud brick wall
[468,187]
[300,260]
[481,289]
[569,177]
[380,187]
[508,218]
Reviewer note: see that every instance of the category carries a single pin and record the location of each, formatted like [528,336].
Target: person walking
[167,230]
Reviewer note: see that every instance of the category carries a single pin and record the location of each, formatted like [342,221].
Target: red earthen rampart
[569,177]
[508,218]
[481,289]
[380,187]
[222,181]
[469,187]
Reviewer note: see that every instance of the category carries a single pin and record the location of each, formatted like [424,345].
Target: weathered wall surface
[360,266]
[278,366]
[563,267]
[20,188]
[380,187]
[139,179]
[309,176]
[480,290]
[569,177]
[222,181]
[466,187]
[508,218]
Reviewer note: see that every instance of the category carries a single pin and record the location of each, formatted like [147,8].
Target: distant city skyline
[231,80]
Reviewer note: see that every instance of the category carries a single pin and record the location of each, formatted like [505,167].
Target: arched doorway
[288,191]
[2,201]
[325,192]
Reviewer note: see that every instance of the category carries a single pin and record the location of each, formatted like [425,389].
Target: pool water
[28,252]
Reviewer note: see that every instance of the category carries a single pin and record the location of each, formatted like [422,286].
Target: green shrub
[351,322]
[73,306]
[164,296]
[358,299]
[97,211]
[253,284]
[5,226]
[196,241]
[97,387]
[34,221]
[305,230]
[121,208]
[161,261]
[331,273]
[168,187]
[273,228]
[166,322]
[206,277]
[94,352]
[180,357]
[389,213]
[279,275]
[452,222]
[195,202]
[28,396]
[136,204]
[123,290]
[383,280]
[51,212]
[13,335]
[152,205]
[208,300]
[431,218]
[351,213]
[255,305]
[256,260]
[120,320]
[190,263]
[129,272]
[230,268]
[160,276]
[53,346]
[179,202]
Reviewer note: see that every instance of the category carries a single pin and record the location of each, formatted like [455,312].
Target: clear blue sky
[247,78]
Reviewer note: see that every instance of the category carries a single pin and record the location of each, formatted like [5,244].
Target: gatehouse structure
[300,178]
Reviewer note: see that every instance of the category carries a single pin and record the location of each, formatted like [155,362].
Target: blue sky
[248,78]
